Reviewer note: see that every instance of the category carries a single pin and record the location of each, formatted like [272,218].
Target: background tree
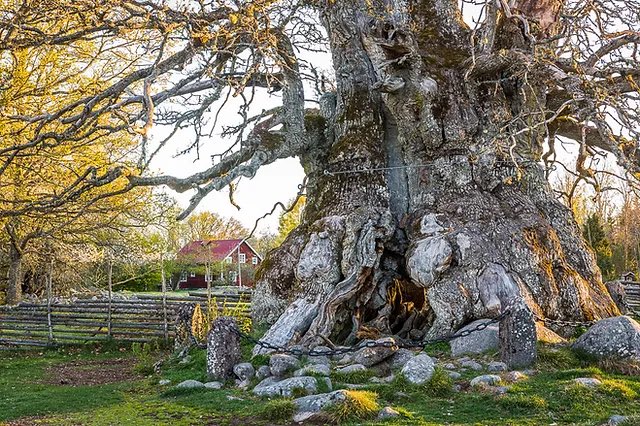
[425,159]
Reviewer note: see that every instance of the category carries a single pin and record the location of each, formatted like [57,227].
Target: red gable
[211,250]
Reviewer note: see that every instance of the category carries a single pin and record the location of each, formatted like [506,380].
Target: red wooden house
[229,262]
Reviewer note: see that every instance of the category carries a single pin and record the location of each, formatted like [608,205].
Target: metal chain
[564,323]
[368,344]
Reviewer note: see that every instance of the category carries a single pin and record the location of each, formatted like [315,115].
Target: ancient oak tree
[426,151]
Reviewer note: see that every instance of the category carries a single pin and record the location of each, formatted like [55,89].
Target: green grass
[548,397]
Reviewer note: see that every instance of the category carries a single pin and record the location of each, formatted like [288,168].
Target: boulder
[486,380]
[371,356]
[213,385]
[382,380]
[190,384]
[477,342]
[351,368]
[281,364]
[164,382]
[419,369]
[319,369]
[272,387]
[617,337]
[315,403]
[400,358]
[263,372]
[244,371]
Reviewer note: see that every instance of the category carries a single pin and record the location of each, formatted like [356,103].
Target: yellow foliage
[199,324]
[357,405]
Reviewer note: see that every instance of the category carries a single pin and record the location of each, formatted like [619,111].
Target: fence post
[164,300]
[110,283]
[49,285]
[518,336]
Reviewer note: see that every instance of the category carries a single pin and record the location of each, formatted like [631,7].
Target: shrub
[144,358]
[440,385]
[279,410]
[358,405]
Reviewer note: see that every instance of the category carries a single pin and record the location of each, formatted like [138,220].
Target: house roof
[218,250]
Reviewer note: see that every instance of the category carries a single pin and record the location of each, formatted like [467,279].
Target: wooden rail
[632,290]
[144,319]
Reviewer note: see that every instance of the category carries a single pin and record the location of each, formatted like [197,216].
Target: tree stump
[518,337]
[223,349]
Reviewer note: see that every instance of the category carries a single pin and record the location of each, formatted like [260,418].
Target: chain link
[564,323]
[407,344]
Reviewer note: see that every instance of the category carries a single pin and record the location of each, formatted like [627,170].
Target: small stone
[185,360]
[449,366]
[243,384]
[515,376]
[234,398]
[486,380]
[303,417]
[500,390]
[281,364]
[472,365]
[244,371]
[213,385]
[387,413]
[615,420]
[401,394]
[319,369]
[263,372]
[351,368]
[164,382]
[371,356]
[454,375]
[355,386]
[587,381]
[190,384]
[400,358]
[497,366]
[271,387]
[315,403]
[382,380]
[419,369]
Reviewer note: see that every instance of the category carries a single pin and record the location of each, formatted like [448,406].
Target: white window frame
[192,274]
[242,258]
[254,260]
[228,259]
[233,276]
[183,276]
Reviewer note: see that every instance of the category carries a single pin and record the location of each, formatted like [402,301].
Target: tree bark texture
[14,276]
[453,213]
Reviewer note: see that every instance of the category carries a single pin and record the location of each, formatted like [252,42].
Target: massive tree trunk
[427,207]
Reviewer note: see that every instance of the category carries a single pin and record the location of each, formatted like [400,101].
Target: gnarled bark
[427,207]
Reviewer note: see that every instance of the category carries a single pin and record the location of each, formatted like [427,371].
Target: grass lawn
[104,386]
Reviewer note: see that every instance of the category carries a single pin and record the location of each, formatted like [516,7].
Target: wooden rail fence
[144,319]
[632,290]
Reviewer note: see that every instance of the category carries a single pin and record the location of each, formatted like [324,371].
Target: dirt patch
[90,373]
